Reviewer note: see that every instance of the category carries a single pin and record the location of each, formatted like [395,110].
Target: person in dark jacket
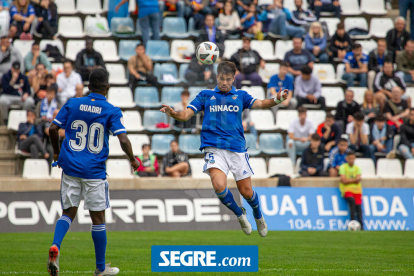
[381,135]
[326,6]
[346,109]
[46,13]
[210,33]
[198,72]
[376,59]
[176,162]
[312,159]
[341,43]
[329,132]
[302,17]
[397,37]
[406,146]
[87,60]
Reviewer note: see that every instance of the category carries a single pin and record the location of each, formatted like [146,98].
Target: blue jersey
[87,122]
[350,58]
[222,123]
[278,84]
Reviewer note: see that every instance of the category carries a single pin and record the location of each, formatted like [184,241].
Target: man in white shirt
[358,132]
[67,82]
[300,131]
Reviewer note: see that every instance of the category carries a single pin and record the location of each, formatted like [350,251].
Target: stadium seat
[56,172]
[359,93]
[290,5]
[264,2]
[73,47]
[380,26]
[55,42]
[269,70]
[197,165]
[389,168]
[35,169]
[333,95]
[23,46]
[160,143]
[340,71]
[107,48]
[263,119]
[127,48]
[147,97]
[89,7]
[171,95]
[258,166]
[115,147]
[255,91]
[116,73]
[350,7]
[231,47]
[90,29]
[272,143]
[166,69]
[410,92]
[137,140]
[174,27]
[121,97]
[59,67]
[356,22]
[325,73]
[122,21]
[409,168]
[191,29]
[282,47]
[280,165]
[182,71]
[331,23]
[194,91]
[189,143]
[132,121]
[316,116]
[367,45]
[15,118]
[251,144]
[119,168]
[284,117]
[264,48]
[65,7]
[375,7]
[70,27]
[181,49]
[152,118]
[158,50]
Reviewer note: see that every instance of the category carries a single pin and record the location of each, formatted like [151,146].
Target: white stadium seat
[180,49]
[132,121]
[65,7]
[356,22]
[409,168]
[380,26]
[375,7]
[73,47]
[59,66]
[35,169]
[367,45]
[262,119]
[410,92]
[350,7]
[280,165]
[116,74]
[359,93]
[15,118]
[297,165]
[231,47]
[56,172]
[196,165]
[331,23]
[258,166]
[107,48]
[71,27]
[137,140]
[290,5]
[23,46]
[367,167]
[340,71]
[325,73]
[89,6]
[269,70]
[282,47]
[284,117]
[389,168]
[333,95]
[255,91]
[55,42]
[119,168]
[90,29]
[264,48]
[264,2]
[316,116]
[114,146]
[121,97]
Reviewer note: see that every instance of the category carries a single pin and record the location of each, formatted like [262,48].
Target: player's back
[87,122]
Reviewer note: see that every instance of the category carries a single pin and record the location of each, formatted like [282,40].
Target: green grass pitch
[280,253]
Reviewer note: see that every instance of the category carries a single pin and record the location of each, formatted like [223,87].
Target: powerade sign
[325,209]
[205,258]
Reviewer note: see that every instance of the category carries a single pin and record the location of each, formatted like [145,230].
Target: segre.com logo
[205,258]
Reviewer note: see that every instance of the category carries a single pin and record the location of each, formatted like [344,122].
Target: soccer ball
[354,225]
[207,52]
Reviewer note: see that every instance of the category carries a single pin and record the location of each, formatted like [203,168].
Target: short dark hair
[306,70]
[388,59]
[50,88]
[244,38]
[380,118]
[49,76]
[284,63]
[342,140]
[145,145]
[98,80]
[315,137]
[35,44]
[140,45]
[174,141]
[30,110]
[329,116]
[351,152]
[185,93]
[340,26]
[356,46]
[226,67]
[302,109]
[411,109]
[67,60]
[209,14]
[358,116]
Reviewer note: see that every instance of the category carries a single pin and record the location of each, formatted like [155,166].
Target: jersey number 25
[96,130]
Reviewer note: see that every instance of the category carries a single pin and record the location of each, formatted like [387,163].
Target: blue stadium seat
[158,50]
[138,31]
[171,95]
[271,143]
[191,28]
[182,71]
[160,143]
[189,143]
[127,48]
[147,97]
[122,21]
[153,117]
[194,91]
[174,27]
[166,68]
[251,144]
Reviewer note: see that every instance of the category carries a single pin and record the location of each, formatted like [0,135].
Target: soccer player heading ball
[222,139]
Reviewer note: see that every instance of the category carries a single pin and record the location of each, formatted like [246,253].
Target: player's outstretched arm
[54,139]
[184,115]
[267,103]
[127,148]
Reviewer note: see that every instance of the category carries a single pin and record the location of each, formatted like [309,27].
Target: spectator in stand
[46,13]
[315,42]
[198,72]
[212,34]
[407,137]
[326,6]
[88,60]
[45,108]
[329,132]
[176,162]
[172,5]
[251,24]
[148,164]
[397,38]
[302,17]
[358,132]
[183,126]
[337,157]
[396,109]
[34,57]
[405,62]
[66,82]
[4,5]
[196,9]
[243,5]
[22,15]
[247,123]
[246,61]
[216,6]
[385,81]
[341,43]
[229,20]
[377,57]
[308,89]
[312,159]
[370,108]
[346,109]
[280,19]
[16,91]
[381,138]
[8,55]
[298,58]
[299,132]
[356,67]
[38,82]
[140,67]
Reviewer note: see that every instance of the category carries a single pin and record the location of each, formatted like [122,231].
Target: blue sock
[99,239]
[226,197]
[255,204]
[62,227]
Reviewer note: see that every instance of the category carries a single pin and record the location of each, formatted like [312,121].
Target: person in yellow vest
[148,164]
[350,186]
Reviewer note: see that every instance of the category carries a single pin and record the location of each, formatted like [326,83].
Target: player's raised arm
[184,115]
[267,103]
[127,148]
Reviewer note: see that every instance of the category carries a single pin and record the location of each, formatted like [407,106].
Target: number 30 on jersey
[87,136]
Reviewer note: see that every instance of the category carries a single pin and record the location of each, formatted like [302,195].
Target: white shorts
[95,193]
[224,160]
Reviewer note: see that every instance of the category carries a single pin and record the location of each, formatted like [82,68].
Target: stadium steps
[7,168]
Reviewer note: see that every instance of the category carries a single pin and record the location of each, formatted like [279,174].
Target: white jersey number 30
[95,130]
